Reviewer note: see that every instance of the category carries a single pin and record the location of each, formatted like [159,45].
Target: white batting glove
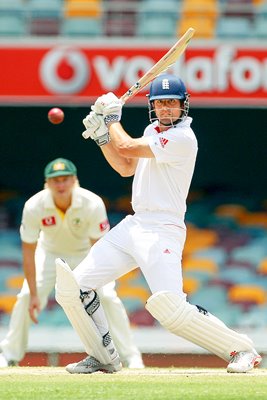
[96,129]
[110,106]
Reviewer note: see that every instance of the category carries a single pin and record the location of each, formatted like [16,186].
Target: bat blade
[162,65]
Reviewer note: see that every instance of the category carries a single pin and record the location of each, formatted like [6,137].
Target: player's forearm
[28,251]
[128,147]
[123,165]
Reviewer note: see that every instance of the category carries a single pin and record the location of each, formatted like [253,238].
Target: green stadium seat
[12,25]
[81,27]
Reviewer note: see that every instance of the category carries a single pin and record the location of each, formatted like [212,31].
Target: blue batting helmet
[167,86]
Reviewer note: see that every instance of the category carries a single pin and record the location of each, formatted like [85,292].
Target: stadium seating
[157,19]
[201,264]
[196,7]
[44,16]
[255,317]
[14,282]
[261,8]
[231,210]
[12,8]
[191,284]
[120,18]
[211,298]
[234,27]
[262,266]
[226,19]
[77,27]
[7,302]
[157,27]
[45,8]
[13,25]
[83,8]
[247,295]
[239,8]
[204,26]
[260,27]
[201,15]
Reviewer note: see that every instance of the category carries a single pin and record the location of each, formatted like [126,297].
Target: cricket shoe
[243,361]
[6,363]
[90,365]
[134,362]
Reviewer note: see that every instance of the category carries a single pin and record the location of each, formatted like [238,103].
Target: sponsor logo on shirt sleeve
[104,225]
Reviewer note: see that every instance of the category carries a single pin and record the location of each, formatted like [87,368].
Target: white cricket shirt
[162,183]
[86,219]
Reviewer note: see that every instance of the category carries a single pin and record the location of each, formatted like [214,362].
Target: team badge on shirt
[76,222]
[104,225]
[49,221]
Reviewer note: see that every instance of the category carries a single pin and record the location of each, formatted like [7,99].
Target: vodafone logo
[64,70]
[222,70]
[216,73]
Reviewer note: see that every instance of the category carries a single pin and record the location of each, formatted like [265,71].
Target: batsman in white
[63,220]
[162,162]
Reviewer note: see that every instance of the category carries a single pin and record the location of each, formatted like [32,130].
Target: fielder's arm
[28,252]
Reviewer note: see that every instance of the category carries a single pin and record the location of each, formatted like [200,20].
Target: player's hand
[96,129]
[110,106]
[91,122]
[34,308]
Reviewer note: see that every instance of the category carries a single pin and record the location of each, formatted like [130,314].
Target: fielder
[63,220]
[162,162]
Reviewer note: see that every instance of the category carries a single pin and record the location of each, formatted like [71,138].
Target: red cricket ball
[56,115]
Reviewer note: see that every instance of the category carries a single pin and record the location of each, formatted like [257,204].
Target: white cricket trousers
[152,241]
[15,343]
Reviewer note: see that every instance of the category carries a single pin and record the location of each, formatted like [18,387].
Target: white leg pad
[68,296]
[184,319]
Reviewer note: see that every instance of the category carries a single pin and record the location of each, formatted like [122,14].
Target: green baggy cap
[60,167]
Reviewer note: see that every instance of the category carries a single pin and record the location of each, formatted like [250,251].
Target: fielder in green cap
[62,220]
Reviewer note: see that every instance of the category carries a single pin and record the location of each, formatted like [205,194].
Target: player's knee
[107,297]
[170,309]
[67,288]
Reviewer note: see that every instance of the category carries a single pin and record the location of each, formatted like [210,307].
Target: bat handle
[124,98]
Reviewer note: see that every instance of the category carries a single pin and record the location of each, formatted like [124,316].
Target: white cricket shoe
[243,361]
[90,365]
[3,361]
[135,362]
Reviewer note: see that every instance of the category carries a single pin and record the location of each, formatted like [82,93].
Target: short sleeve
[99,223]
[29,228]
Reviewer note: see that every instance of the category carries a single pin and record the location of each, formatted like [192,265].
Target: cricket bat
[162,65]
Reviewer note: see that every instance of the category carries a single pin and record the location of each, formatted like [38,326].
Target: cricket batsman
[162,162]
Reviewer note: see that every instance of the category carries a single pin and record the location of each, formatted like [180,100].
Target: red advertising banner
[223,74]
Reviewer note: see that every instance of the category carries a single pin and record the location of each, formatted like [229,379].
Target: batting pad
[68,296]
[205,330]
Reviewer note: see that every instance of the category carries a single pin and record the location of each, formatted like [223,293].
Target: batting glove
[96,129]
[110,106]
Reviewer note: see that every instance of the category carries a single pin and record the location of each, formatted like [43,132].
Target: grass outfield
[51,383]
